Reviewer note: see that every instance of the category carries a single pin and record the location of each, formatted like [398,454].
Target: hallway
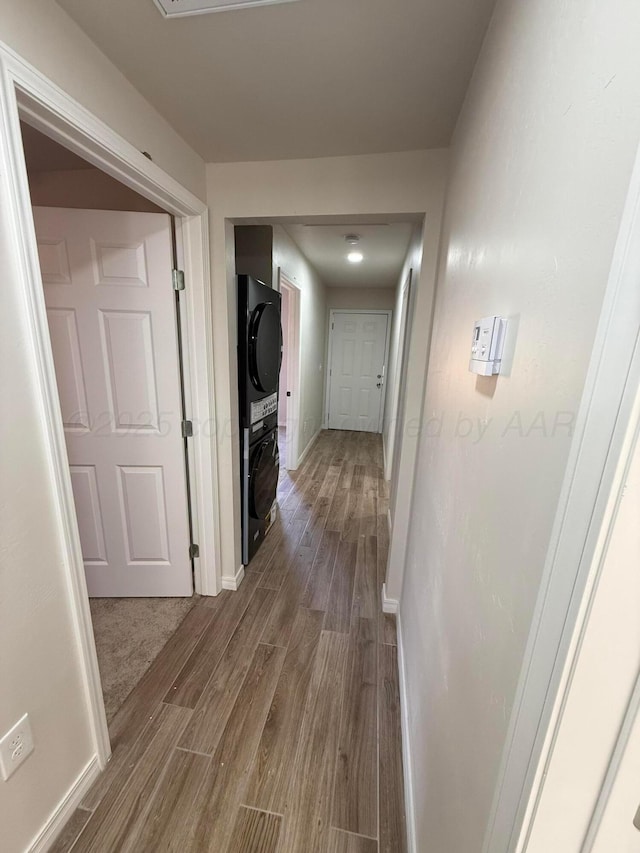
[270,721]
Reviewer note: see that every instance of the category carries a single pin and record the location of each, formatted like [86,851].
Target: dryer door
[263,476]
[265,347]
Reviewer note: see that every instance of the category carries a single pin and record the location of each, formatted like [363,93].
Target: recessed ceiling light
[179,8]
[355,257]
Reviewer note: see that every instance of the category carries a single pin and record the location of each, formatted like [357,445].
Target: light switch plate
[15,746]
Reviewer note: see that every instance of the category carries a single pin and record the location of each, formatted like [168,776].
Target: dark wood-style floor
[270,722]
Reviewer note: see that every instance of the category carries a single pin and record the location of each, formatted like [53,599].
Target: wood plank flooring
[270,722]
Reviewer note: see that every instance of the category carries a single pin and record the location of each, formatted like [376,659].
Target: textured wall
[313,309]
[540,167]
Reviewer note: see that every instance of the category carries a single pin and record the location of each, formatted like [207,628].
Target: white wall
[40,670]
[540,166]
[394,413]
[392,184]
[422,257]
[43,34]
[361,298]
[313,309]
[392,379]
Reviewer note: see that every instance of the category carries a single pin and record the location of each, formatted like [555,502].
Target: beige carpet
[130,632]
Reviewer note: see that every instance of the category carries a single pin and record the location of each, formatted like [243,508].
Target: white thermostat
[487,345]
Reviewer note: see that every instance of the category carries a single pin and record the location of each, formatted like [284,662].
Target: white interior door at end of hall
[111,312]
[358,347]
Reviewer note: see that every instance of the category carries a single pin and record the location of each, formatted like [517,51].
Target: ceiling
[44,155]
[384,248]
[314,78]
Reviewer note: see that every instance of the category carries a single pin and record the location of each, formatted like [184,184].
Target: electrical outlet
[15,747]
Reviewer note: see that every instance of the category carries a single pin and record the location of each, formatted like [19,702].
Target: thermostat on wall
[487,345]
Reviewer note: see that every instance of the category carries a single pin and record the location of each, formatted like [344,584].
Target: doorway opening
[107,257]
[32,99]
[307,261]
[289,396]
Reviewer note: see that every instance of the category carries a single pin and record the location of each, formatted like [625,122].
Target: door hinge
[187,429]
[332,325]
[194,550]
[177,277]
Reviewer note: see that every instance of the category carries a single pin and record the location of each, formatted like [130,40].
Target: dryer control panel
[261,408]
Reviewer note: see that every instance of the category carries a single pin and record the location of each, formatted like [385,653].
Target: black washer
[265,347]
[263,477]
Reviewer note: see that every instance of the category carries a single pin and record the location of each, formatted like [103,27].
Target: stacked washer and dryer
[259,359]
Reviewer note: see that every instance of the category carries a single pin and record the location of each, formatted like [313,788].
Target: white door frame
[383,396]
[26,93]
[292,354]
[605,418]
[625,670]
[404,332]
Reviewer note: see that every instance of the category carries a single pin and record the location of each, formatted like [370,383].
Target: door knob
[378,384]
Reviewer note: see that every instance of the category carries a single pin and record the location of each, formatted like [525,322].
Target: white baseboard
[54,826]
[303,456]
[407,766]
[233,581]
[389,605]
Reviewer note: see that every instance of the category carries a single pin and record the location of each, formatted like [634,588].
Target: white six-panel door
[356,380]
[111,311]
